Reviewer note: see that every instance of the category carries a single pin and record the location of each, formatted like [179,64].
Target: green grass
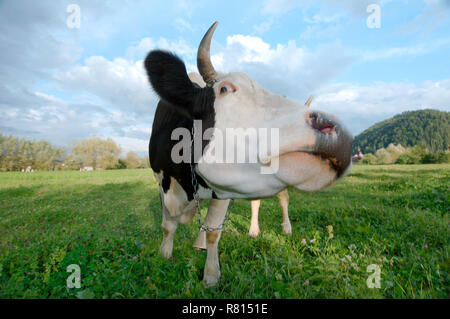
[108,222]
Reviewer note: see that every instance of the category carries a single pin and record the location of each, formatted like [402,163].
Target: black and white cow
[313,150]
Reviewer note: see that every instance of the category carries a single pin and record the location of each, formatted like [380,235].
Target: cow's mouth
[333,142]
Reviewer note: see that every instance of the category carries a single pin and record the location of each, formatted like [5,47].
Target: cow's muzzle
[333,141]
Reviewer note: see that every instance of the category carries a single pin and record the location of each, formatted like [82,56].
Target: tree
[132,160]
[395,151]
[73,162]
[16,154]
[9,147]
[96,152]
[383,156]
[146,162]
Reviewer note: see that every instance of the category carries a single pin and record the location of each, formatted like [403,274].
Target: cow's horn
[204,64]
[308,103]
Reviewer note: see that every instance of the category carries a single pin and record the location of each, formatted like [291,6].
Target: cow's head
[314,148]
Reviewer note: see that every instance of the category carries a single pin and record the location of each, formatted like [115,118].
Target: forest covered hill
[409,128]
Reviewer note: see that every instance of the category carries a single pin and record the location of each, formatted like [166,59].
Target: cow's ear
[168,77]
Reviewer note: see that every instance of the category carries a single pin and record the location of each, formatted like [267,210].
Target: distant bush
[413,155]
[437,158]
[387,155]
[418,154]
[121,164]
[408,158]
[369,159]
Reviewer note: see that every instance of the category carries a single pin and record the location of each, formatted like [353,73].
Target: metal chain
[196,196]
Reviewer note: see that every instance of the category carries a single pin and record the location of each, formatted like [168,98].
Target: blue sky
[63,84]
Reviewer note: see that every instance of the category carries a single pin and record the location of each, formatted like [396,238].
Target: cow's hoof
[287,229]
[210,281]
[165,252]
[253,232]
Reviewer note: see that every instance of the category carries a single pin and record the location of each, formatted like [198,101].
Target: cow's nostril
[321,124]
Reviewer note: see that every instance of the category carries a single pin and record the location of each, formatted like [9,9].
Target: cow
[313,150]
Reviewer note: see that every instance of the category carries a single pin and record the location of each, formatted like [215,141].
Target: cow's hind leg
[216,214]
[254,225]
[169,226]
[283,198]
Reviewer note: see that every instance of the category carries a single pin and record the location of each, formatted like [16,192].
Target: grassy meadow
[108,223]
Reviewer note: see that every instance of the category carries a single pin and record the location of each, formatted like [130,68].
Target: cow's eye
[226,87]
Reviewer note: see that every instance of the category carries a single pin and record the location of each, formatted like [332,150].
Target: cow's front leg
[216,214]
[169,226]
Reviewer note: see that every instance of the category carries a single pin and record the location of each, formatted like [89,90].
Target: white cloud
[274,7]
[318,32]
[437,12]
[139,132]
[30,46]
[264,26]
[108,98]
[187,7]
[361,106]
[180,47]
[297,72]
[285,69]
[55,120]
[127,144]
[182,25]
[414,50]
[122,84]
[354,7]
[319,18]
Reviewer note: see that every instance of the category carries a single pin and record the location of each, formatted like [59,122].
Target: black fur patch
[181,102]
[165,183]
